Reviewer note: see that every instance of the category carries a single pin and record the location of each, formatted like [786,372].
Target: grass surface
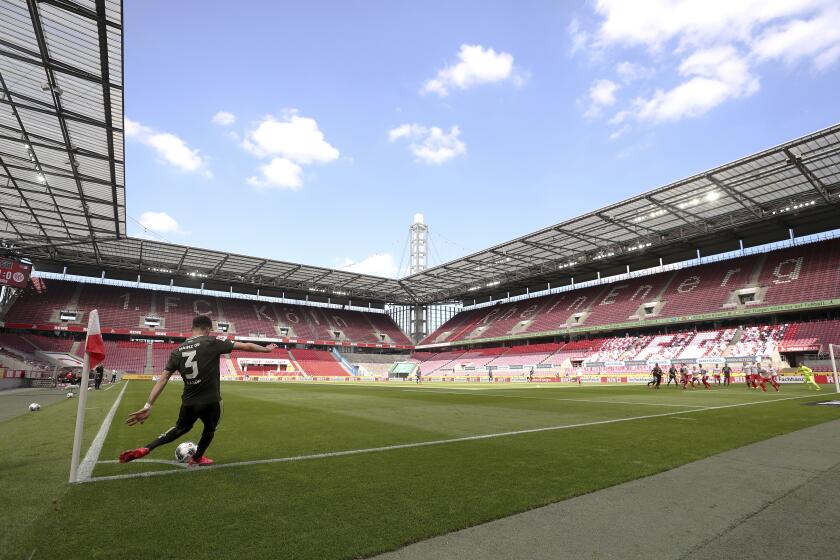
[357,505]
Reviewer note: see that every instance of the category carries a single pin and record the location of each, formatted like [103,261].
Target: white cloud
[579,36]
[476,66]
[601,94]
[615,135]
[293,137]
[713,76]
[279,172]
[430,145]
[291,142]
[630,72]
[159,222]
[691,23]
[379,264]
[702,53]
[168,146]
[817,38]
[223,118]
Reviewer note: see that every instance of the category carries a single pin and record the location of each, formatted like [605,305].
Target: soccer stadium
[652,377]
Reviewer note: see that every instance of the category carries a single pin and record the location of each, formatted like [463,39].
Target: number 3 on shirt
[190,364]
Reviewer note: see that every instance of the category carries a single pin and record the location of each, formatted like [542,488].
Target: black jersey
[197,360]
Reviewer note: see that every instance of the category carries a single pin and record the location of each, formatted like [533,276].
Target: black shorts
[210,414]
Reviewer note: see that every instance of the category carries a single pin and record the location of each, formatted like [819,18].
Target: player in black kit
[197,360]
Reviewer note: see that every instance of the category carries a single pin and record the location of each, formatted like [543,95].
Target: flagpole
[80,420]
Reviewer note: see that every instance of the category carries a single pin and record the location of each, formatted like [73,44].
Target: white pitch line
[433,391]
[92,455]
[426,443]
[155,461]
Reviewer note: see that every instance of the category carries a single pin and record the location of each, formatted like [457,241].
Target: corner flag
[94,346]
[94,355]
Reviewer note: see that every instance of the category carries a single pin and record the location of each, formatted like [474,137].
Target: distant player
[808,374]
[197,360]
[704,377]
[657,377]
[695,377]
[419,379]
[727,375]
[748,375]
[767,375]
[684,377]
[717,375]
[672,376]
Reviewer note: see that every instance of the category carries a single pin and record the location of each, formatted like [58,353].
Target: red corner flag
[94,347]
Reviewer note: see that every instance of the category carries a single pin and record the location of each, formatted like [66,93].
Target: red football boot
[132,454]
[203,462]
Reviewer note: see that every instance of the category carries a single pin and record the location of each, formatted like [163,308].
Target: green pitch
[375,497]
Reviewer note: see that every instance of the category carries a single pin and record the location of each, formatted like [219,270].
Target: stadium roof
[755,199]
[155,258]
[61,115]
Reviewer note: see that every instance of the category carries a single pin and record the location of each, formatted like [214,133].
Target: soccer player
[695,377]
[683,375]
[704,376]
[657,377]
[748,374]
[197,360]
[727,375]
[672,375]
[808,374]
[717,375]
[771,374]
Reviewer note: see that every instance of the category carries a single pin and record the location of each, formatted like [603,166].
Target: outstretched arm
[251,347]
[143,414]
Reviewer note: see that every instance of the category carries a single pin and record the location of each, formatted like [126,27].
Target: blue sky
[313,131]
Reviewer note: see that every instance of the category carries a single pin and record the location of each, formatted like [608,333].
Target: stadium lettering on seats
[169,302]
[729,274]
[577,303]
[646,288]
[786,277]
[556,303]
[260,312]
[529,311]
[688,284]
[610,298]
[509,313]
[490,315]
[196,310]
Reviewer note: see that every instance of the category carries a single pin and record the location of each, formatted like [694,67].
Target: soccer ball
[34,407]
[69,394]
[184,451]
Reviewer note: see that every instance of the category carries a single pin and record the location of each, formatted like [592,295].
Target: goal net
[834,355]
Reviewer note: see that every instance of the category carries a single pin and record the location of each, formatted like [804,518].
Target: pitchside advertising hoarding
[14,273]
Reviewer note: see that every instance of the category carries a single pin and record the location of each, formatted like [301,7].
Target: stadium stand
[525,356]
[129,357]
[811,336]
[804,273]
[790,276]
[372,364]
[435,362]
[124,308]
[761,340]
[319,363]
